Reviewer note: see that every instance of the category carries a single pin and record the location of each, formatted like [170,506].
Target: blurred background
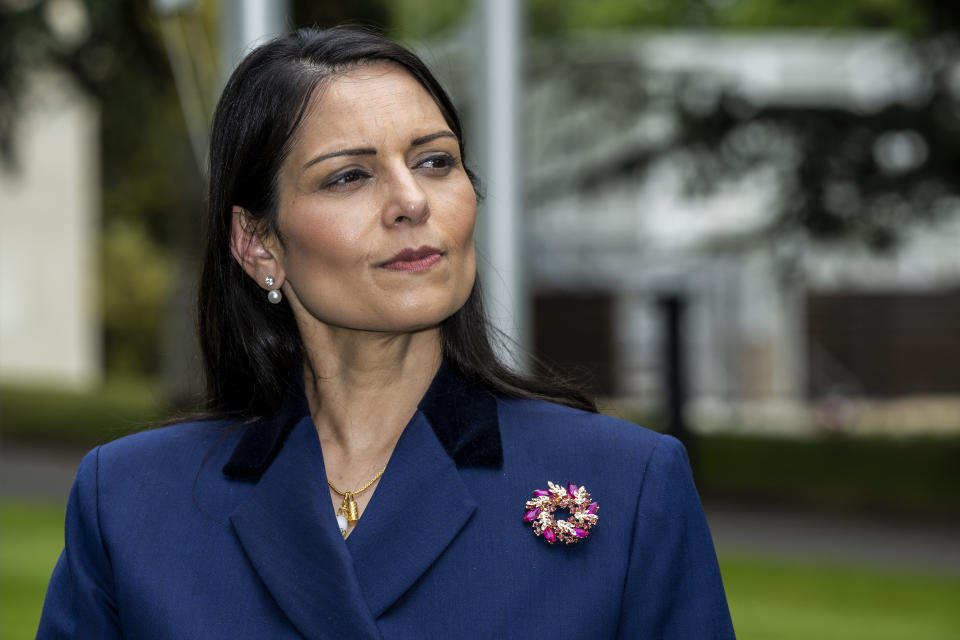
[737,221]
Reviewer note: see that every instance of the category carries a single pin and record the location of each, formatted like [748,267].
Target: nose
[406,200]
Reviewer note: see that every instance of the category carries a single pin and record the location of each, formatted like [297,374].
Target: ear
[249,248]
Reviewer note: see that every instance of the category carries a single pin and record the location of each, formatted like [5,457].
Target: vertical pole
[497,133]
[245,23]
[673,365]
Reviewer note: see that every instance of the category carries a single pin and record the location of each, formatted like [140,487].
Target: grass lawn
[31,537]
[769,599]
[774,599]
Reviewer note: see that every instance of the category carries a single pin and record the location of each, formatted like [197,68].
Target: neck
[363,387]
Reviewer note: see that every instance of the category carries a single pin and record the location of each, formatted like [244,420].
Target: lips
[414,259]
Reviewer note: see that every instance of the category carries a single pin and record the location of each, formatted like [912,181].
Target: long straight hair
[252,350]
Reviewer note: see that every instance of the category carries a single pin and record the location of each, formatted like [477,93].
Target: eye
[346,179]
[439,163]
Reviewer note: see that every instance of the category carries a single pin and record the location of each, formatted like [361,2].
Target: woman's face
[376,211]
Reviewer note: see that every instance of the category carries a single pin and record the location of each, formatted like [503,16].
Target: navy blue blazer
[208,530]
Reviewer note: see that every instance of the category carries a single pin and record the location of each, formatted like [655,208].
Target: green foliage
[899,15]
[415,19]
[152,202]
[552,16]
[402,19]
[778,599]
[46,416]
[546,17]
[370,13]
[150,179]
[136,277]
[841,473]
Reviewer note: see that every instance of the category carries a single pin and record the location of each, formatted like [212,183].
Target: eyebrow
[416,142]
[433,136]
[334,154]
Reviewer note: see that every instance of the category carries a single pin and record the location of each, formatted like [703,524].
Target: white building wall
[637,238]
[49,325]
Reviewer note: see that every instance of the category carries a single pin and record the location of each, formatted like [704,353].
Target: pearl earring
[274,295]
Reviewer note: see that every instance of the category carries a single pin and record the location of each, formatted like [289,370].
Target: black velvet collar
[463,417]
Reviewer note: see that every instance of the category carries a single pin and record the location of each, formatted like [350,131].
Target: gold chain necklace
[349,508]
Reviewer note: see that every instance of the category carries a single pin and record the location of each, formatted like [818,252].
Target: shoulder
[176,450]
[179,438]
[556,426]
[544,435]
[154,476]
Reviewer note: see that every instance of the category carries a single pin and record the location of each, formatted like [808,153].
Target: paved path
[837,539]
[37,474]
[41,474]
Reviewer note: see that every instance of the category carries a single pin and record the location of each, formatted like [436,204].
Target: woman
[366,467]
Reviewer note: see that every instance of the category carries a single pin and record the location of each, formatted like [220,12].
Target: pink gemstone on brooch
[583,513]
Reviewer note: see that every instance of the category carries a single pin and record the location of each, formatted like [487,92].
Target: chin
[419,322]
[420,317]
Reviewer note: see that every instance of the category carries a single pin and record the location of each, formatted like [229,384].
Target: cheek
[470,222]
[463,204]
[322,240]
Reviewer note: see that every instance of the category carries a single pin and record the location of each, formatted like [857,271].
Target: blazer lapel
[419,507]
[288,531]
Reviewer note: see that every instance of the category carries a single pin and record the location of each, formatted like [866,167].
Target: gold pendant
[350,509]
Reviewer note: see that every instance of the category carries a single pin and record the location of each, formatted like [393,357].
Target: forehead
[369,104]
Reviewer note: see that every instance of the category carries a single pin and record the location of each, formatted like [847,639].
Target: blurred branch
[842,172]
[196,106]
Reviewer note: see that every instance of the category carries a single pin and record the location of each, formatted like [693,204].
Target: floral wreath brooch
[583,513]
